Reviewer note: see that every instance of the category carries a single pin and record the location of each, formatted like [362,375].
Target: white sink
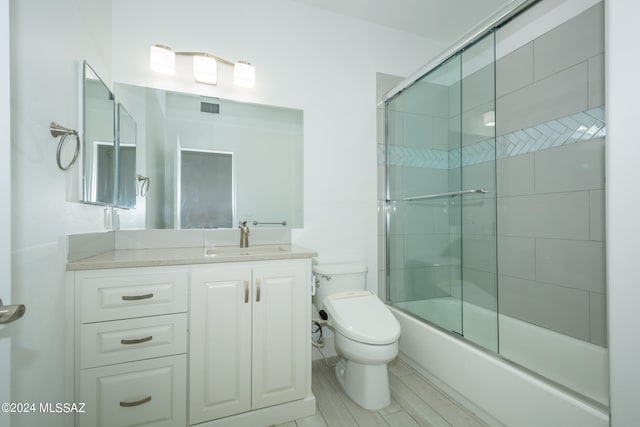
[236,251]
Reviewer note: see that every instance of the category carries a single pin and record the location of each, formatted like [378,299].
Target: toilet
[365,332]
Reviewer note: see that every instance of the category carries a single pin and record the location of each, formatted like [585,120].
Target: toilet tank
[334,278]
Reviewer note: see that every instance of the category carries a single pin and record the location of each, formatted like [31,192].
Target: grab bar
[282,223]
[451,194]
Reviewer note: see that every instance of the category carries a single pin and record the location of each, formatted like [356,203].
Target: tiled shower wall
[551,240]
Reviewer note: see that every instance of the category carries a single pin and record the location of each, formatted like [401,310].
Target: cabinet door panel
[278,335]
[220,343]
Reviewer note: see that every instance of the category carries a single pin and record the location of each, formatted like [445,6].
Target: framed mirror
[99,158]
[213,162]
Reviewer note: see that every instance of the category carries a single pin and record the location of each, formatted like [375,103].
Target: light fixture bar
[205,68]
[205,54]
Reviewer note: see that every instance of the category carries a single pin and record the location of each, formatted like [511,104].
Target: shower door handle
[11,313]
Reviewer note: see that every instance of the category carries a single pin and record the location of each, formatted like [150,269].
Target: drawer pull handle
[258,290]
[136,297]
[246,291]
[137,403]
[137,340]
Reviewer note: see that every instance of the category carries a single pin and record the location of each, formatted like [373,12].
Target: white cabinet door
[279,328]
[220,343]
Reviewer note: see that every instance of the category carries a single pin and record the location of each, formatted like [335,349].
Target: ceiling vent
[209,107]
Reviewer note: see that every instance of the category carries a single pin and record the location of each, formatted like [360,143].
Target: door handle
[11,313]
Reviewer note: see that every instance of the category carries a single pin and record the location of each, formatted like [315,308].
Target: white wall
[306,58]
[623,228]
[49,39]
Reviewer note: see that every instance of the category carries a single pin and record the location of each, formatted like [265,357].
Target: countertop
[126,258]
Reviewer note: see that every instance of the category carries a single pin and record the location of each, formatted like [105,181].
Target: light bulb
[205,69]
[244,74]
[162,60]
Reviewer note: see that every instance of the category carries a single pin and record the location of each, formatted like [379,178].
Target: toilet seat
[362,317]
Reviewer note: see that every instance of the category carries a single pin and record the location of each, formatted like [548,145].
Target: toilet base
[367,385]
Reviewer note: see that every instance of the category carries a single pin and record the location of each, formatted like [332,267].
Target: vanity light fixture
[489,118]
[205,66]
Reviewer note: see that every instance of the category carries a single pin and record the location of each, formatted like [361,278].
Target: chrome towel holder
[56,131]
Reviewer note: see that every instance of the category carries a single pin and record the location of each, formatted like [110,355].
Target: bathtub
[497,390]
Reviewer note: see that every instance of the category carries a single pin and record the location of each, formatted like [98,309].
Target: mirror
[99,161]
[213,162]
[109,154]
[126,160]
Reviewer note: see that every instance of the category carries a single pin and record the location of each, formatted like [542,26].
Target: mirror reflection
[126,167]
[214,162]
[98,140]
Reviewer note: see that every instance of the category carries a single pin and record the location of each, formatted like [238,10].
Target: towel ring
[144,188]
[56,131]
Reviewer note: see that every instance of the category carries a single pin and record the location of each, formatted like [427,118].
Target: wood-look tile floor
[414,402]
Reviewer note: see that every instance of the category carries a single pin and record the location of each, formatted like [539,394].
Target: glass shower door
[424,223]
[478,210]
[441,218]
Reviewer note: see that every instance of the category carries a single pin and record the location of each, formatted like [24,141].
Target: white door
[5,209]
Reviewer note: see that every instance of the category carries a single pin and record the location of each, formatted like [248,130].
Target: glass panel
[478,170]
[423,125]
[441,160]
[206,189]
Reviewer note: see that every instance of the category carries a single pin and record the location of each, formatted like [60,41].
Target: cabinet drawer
[151,392]
[127,340]
[121,296]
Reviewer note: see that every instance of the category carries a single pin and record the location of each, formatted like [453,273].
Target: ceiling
[440,20]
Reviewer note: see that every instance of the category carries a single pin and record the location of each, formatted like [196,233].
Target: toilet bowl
[365,333]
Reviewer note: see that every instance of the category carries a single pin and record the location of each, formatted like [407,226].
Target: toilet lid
[361,316]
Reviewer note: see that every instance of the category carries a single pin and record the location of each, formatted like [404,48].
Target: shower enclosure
[441,155]
[494,205]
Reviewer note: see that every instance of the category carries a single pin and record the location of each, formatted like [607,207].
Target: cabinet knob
[258,290]
[246,291]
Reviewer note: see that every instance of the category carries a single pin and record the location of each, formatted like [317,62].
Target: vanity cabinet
[131,344]
[207,344]
[247,338]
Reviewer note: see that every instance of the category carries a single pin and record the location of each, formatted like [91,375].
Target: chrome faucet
[244,234]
